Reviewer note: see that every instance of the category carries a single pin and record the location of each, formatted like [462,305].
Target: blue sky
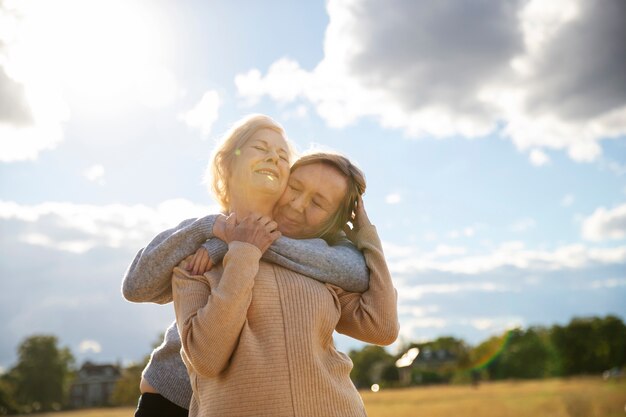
[492,134]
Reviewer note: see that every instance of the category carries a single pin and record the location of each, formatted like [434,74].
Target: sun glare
[95,50]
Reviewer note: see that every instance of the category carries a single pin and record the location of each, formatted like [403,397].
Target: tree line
[585,346]
[41,379]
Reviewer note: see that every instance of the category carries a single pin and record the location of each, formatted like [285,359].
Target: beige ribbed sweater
[257,338]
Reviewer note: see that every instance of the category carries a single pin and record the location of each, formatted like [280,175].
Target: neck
[244,205]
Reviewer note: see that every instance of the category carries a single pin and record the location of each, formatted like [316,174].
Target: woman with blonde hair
[271,352]
[165,385]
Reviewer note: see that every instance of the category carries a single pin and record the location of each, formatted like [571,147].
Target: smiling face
[314,194]
[261,164]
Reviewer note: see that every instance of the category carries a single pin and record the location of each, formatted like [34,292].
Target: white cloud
[78,228]
[442,251]
[156,86]
[605,224]
[43,62]
[523,225]
[89,346]
[608,283]
[405,260]
[416,292]
[567,200]
[524,68]
[468,231]
[417,311]
[494,324]
[393,198]
[300,112]
[95,173]
[204,114]
[32,108]
[538,158]
[616,168]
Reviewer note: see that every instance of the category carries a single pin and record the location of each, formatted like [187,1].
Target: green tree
[611,346]
[7,396]
[42,375]
[370,363]
[126,390]
[528,354]
[590,345]
[484,358]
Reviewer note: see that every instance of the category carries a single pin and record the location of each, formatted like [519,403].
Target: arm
[148,278]
[211,311]
[342,264]
[199,300]
[373,315]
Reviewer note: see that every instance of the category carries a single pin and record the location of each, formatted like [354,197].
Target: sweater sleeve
[373,315]
[211,310]
[149,276]
[341,264]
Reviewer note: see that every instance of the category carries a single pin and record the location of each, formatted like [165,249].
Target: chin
[272,187]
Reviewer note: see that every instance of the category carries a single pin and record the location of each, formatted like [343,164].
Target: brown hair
[220,169]
[356,187]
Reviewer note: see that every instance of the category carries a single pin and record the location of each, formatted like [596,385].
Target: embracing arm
[373,315]
[211,311]
[148,278]
[342,264]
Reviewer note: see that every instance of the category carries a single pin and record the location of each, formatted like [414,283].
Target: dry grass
[584,397]
[581,397]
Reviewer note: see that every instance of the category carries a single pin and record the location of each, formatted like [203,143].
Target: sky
[492,135]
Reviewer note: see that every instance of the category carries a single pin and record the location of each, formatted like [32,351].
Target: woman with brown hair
[257,337]
[165,385]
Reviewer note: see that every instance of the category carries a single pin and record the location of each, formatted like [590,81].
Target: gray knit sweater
[148,279]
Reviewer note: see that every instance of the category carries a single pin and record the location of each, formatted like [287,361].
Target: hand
[219,227]
[260,231]
[200,263]
[359,220]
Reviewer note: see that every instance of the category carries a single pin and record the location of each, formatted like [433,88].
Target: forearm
[148,278]
[373,315]
[342,265]
[211,310]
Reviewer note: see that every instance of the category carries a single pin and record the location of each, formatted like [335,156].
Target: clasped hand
[260,231]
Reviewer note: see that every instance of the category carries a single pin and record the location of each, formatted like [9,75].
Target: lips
[268,172]
[285,218]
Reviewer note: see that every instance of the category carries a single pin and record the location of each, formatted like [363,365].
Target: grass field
[581,397]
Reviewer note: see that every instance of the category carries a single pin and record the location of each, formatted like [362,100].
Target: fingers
[265,221]
[360,219]
[271,238]
[258,230]
[200,261]
[271,226]
[231,219]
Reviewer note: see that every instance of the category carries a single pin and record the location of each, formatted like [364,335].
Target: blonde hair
[356,187]
[220,168]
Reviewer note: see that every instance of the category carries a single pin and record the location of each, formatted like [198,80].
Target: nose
[272,155]
[298,203]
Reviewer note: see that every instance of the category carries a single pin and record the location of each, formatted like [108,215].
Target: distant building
[415,361]
[433,360]
[94,385]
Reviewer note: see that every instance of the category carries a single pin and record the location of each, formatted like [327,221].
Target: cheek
[318,217]
[284,199]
